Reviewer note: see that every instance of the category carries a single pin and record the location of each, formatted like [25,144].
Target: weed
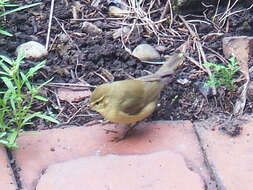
[223,75]
[16,99]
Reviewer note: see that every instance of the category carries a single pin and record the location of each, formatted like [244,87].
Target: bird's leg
[102,122]
[105,122]
[130,128]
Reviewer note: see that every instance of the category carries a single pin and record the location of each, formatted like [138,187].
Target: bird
[132,100]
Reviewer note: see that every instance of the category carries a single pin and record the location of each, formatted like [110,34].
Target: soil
[79,57]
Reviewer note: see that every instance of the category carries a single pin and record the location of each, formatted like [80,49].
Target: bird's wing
[132,98]
[138,95]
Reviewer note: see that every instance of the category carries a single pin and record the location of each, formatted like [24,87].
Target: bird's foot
[126,134]
[107,131]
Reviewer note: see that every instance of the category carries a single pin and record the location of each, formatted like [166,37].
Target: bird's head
[99,98]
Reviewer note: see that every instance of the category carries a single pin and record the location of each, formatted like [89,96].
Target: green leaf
[7,81]
[3,32]
[44,99]
[7,96]
[4,142]
[28,117]
[3,73]
[12,136]
[6,59]
[49,118]
[20,57]
[5,68]
[40,115]
[2,134]
[43,84]
[13,103]
[19,9]
[26,81]
[34,69]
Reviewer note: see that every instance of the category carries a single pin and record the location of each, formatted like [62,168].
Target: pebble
[116,11]
[91,28]
[160,48]
[121,32]
[183,81]
[146,52]
[63,38]
[204,89]
[32,50]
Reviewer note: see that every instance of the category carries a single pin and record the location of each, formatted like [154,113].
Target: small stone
[117,3]
[183,81]
[116,11]
[203,88]
[146,52]
[32,50]
[160,48]
[73,95]
[95,3]
[91,28]
[121,32]
[63,38]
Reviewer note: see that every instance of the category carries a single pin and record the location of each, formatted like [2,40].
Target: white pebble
[116,11]
[91,28]
[146,52]
[32,50]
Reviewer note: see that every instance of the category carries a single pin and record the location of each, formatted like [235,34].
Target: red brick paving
[39,151]
[232,157]
[7,181]
[158,155]
[155,171]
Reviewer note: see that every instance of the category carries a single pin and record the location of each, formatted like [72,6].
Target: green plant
[223,75]
[16,99]
[5,4]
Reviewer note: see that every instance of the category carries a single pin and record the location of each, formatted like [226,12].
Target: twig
[196,63]
[165,10]
[140,24]
[201,52]
[63,29]
[131,30]
[70,85]
[73,116]
[217,54]
[101,76]
[50,23]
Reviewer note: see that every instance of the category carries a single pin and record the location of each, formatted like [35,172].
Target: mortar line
[210,168]
[13,166]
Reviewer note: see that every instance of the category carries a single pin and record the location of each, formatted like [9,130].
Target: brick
[6,175]
[155,171]
[39,150]
[230,158]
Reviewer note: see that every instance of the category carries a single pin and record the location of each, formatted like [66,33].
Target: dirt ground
[79,57]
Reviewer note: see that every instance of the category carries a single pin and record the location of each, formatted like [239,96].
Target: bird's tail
[170,65]
[167,69]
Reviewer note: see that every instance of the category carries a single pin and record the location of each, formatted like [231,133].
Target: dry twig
[50,23]
[199,47]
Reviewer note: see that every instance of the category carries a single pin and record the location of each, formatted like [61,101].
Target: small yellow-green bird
[130,101]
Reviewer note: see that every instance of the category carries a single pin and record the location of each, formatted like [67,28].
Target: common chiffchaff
[130,101]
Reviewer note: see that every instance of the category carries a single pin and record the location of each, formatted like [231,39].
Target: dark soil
[78,58]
